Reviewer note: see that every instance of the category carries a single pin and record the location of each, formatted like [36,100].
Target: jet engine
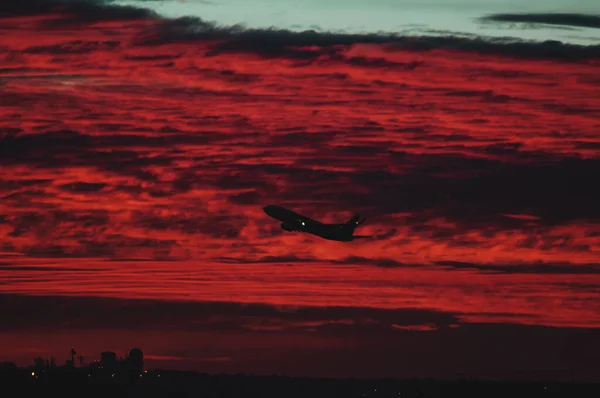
[286,227]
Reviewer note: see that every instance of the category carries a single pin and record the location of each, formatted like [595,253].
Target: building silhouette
[109,368]
[135,360]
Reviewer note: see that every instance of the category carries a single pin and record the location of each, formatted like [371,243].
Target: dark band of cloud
[285,43]
[389,193]
[578,20]
[546,269]
[298,45]
[52,312]
[82,11]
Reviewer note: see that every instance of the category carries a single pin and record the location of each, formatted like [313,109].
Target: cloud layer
[579,20]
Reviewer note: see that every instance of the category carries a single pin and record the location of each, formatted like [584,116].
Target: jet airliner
[292,221]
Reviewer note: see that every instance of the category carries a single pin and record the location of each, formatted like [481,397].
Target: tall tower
[136,360]
[73,352]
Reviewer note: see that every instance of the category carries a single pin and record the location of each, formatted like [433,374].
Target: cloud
[24,148]
[312,45]
[160,141]
[84,187]
[51,312]
[216,226]
[480,190]
[543,268]
[318,290]
[379,262]
[420,328]
[75,11]
[74,47]
[578,20]
[307,45]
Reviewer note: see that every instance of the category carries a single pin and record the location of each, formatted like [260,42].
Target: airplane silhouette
[291,221]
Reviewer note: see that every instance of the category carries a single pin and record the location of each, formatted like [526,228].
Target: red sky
[136,155]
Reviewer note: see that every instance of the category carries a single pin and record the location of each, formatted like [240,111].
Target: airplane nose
[272,211]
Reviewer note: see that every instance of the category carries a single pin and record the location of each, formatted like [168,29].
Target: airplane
[291,221]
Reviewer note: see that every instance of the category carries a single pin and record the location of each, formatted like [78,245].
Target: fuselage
[292,221]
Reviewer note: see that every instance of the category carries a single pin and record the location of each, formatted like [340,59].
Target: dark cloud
[24,148]
[246,198]
[117,240]
[310,45]
[498,268]
[11,185]
[106,245]
[75,11]
[214,225]
[294,136]
[283,43]
[372,62]
[268,259]
[475,192]
[74,47]
[381,262]
[67,148]
[479,192]
[157,57]
[588,145]
[482,95]
[49,312]
[299,260]
[88,235]
[540,268]
[84,187]
[307,45]
[45,225]
[579,20]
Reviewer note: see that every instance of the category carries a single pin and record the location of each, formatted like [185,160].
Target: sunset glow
[136,154]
